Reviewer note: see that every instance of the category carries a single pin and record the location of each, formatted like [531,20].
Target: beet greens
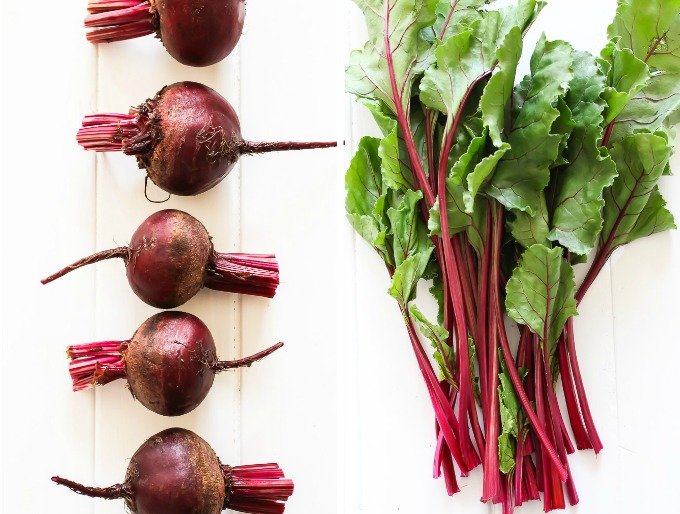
[533,176]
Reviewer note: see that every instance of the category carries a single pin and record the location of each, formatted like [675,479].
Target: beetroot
[171,257]
[195,32]
[187,138]
[170,363]
[176,472]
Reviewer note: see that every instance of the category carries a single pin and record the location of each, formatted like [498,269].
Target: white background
[342,407]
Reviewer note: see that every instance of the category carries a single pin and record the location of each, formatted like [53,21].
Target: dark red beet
[187,138]
[171,257]
[176,472]
[170,363]
[195,32]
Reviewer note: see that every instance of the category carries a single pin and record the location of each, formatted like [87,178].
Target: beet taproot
[194,32]
[187,138]
[170,363]
[177,472]
[171,257]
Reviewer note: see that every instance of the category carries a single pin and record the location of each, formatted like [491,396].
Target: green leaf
[409,231]
[524,171]
[640,160]
[577,205]
[365,197]
[407,275]
[626,77]
[483,170]
[438,336]
[530,230]
[509,414]
[540,293]
[651,29]
[402,20]
[396,167]
[453,14]
[459,219]
[498,90]
[381,114]
[469,53]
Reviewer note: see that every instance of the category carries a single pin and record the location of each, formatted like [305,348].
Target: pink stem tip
[243,273]
[256,489]
[106,132]
[116,20]
[96,363]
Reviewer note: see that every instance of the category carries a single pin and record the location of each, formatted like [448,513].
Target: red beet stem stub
[256,489]
[96,363]
[119,20]
[107,132]
[243,273]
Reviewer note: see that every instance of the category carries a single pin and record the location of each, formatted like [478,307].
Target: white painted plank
[289,92]
[47,207]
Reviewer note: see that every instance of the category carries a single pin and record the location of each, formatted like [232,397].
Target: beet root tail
[249,147]
[246,361]
[120,252]
[256,489]
[243,273]
[108,493]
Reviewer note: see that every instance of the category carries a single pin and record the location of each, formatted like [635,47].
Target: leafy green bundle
[534,176]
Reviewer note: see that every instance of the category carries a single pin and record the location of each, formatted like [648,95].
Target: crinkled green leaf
[540,292]
[381,114]
[402,20]
[396,167]
[454,14]
[409,232]
[498,90]
[406,277]
[438,336]
[651,29]
[530,230]
[483,170]
[509,414]
[577,205]
[365,197]
[640,160]
[524,171]
[468,54]
[626,77]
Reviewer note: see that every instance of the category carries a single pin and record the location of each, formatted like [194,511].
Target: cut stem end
[96,363]
[243,273]
[256,489]
[117,20]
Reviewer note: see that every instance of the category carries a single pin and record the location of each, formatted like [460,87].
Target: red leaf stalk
[116,20]
[96,363]
[243,273]
[256,488]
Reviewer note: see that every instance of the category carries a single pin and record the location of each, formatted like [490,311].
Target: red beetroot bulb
[171,257]
[187,138]
[195,32]
[177,472]
[169,363]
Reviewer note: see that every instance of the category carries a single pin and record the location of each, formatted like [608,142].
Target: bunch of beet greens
[534,176]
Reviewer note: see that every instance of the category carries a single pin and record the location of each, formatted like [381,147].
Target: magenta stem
[256,489]
[108,493]
[243,273]
[119,20]
[120,252]
[249,147]
[106,132]
[96,363]
[246,361]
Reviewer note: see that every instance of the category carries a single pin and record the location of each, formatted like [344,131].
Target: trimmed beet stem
[243,273]
[256,489]
[119,20]
[105,132]
[113,492]
[120,252]
[96,363]
[246,361]
[248,147]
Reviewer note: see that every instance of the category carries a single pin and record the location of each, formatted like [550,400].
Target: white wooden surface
[342,407]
